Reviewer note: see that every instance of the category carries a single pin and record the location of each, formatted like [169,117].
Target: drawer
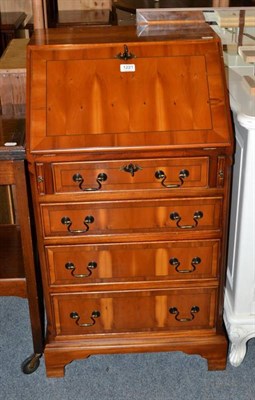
[121,217]
[136,262]
[165,310]
[130,175]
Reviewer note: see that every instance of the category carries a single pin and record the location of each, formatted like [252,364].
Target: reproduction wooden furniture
[18,276]
[130,146]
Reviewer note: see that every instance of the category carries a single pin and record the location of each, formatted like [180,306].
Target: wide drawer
[81,314]
[130,175]
[122,217]
[132,262]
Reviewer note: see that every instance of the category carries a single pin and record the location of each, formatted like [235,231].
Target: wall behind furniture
[17,5]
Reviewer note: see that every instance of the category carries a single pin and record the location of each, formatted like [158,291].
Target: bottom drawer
[133,311]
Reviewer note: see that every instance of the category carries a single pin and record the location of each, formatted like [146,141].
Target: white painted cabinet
[239,309]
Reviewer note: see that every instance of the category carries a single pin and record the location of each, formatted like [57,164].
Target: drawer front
[122,217]
[82,264]
[81,314]
[130,175]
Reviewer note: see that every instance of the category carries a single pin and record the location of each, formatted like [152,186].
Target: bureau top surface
[111,89]
[120,34]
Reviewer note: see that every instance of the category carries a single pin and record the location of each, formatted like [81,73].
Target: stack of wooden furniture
[129,145]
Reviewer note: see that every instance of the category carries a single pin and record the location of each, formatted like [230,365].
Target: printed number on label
[127,67]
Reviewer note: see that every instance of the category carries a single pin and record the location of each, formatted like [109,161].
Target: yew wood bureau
[129,145]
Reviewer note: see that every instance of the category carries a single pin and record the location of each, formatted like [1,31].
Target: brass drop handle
[175,311]
[184,173]
[78,178]
[94,315]
[176,263]
[174,216]
[71,267]
[68,222]
[125,55]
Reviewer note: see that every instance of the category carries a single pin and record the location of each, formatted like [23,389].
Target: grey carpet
[157,376]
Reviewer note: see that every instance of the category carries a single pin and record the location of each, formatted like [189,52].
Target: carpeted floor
[157,376]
